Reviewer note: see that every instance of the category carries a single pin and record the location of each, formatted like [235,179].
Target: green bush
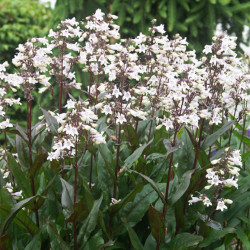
[19,21]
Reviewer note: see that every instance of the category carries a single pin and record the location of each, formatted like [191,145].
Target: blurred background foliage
[19,21]
[194,19]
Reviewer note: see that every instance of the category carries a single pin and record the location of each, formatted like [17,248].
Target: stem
[198,144]
[91,169]
[60,98]
[212,130]
[75,189]
[168,180]
[32,182]
[231,130]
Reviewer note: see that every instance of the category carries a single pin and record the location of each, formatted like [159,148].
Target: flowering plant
[129,149]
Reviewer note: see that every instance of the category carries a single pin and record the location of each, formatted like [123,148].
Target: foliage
[195,20]
[153,154]
[19,21]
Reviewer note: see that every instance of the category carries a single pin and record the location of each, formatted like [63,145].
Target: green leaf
[80,212]
[39,160]
[185,240]
[136,155]
[51,121]
[171,14]
[243,237]
[212,138]
[224,2]
[170,147]
[35,243]
[108,159]
[96,242]
[214,235]
[22,133]
[22,151]
[131,136]
[134,211]
[156,223]
[193,18]
[128,198]
[67,198]
[136,243]
[182,187]
[244,138]
[211,223]
[14,210]
[20,178]
[104,179]
[90,223]
[239,7]
[137,17]
[153,184]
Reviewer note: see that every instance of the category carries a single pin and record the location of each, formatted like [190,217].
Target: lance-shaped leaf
[19,175]
[156,223]
[186,240]
[212,138]
[51,121]
[153,184]
[90,223]
[168,143]
[214,235]
[136,243]
[67,197]
[243,237]
[136,155]
[39,160]
[182,187]
[35,243]
[80,212]
[14,210]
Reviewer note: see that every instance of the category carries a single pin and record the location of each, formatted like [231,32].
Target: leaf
[212,138]
[67,198]
[104,179]
[20,178]
[185,240]
[171,14]
[133,236]
[22,151]
[56,242]
[243,237]
[134,211]
[244,138]
[136,155]
[14,210]
[96,242]
[224,2]
[80,212]
[137,17]
[211,223]
[214,235]
[170,147]
[35,243]
[156,223]
[128,198]
[182,187]
[39,160]
[90,223]
[22,133]
[131,136]
[108,159]
[51,121]
[153,184]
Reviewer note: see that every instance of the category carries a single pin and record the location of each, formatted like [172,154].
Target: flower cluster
[223,173]
[7,82]
[78,122]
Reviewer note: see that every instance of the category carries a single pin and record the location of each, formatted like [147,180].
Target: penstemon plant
[150,153]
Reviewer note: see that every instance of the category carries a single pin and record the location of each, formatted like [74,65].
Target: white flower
[160,29]
[107,110]
[231,182]
[120,118]
[221,205]
[114,201]
[126,96]
[207,202]
[194,200]
[116,92]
